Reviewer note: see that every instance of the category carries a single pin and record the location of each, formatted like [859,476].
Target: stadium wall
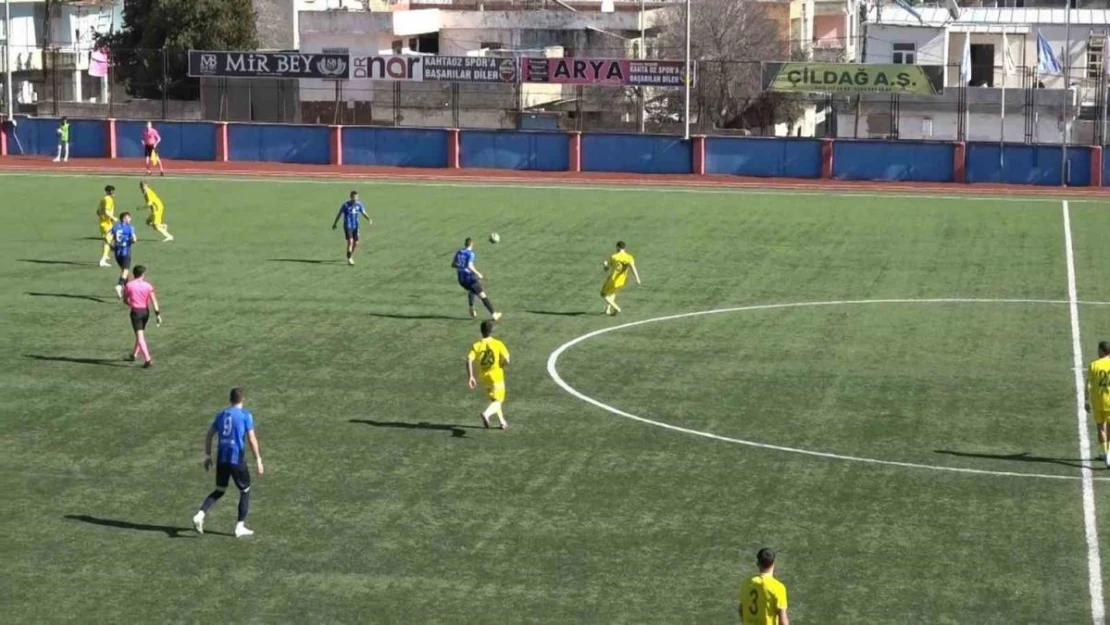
[842,159]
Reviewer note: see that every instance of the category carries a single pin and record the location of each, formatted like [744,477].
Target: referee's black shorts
[139,318]
[148,150]
[237,472]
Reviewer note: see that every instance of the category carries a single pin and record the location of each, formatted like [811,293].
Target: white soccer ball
[494,238]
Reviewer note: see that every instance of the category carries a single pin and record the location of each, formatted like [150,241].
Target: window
[1095,54]
[491,45]
[398,46]
[904,54]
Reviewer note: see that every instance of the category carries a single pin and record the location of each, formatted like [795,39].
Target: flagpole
[688,77]
[1067,94]
[1002,108]
[1105,69]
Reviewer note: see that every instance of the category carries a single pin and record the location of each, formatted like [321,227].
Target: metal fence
[726,98]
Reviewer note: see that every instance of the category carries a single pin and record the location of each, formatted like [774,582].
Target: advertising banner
[203,63]
[853,78]
[606,72]
[470,69]
[463,69]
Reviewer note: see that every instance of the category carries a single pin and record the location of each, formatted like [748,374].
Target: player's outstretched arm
[470,381]
[335,223]
[368,220]
[474,269]
[254,449]
[635,274]
[784,619]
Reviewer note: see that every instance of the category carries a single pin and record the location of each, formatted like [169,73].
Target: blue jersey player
[120,238]
[470,279]
[234,427]
[351,210]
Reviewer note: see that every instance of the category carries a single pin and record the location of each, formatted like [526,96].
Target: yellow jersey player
[106,216]
[157,210]
[1098,396]
[618,266]
[492,357]
[762,597]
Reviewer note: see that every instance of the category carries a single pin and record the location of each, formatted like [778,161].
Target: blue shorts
[470,283]
[350,233]
[124,260]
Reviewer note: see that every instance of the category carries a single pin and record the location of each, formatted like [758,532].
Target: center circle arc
[553,371]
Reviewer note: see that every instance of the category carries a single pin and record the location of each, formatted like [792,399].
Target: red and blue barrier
[788,157]
[772,157]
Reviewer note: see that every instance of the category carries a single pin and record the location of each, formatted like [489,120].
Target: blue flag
[1047,63]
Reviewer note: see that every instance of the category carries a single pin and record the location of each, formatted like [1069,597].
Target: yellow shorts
[105,227]
[609,288]
[154,219]
[1101,417]
[496,392]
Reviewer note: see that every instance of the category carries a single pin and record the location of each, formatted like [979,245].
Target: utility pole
[689,77]
[9,97]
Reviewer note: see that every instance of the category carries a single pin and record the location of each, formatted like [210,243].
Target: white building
[1039,107]
[73,29]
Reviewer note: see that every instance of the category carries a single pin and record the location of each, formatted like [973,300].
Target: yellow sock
[163,229]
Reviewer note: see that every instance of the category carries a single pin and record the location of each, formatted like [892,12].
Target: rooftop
[937,17]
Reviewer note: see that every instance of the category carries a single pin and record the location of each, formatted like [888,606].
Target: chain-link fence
[726,98]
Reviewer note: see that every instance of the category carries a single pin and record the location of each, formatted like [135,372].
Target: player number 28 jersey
[1098,385]
[490,354]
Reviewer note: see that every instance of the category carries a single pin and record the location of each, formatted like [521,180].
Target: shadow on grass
[39,261]
[557,313]
[1024,456]
[416,316]
[169,530]
[457,431]
[304,261]
[104,362]
[91,298]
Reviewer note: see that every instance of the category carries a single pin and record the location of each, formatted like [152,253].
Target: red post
[3,136]
[335,137]
[826,158]
[574,152]
[698,155]
[221,142]
[452,148]
[959,162]
[1096,165]
[110,146]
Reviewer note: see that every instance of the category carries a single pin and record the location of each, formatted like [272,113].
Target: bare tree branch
[729,39]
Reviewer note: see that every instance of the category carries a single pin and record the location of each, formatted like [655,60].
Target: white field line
[1090,529]
[553,360]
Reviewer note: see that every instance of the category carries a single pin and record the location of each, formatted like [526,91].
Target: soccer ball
[494,238]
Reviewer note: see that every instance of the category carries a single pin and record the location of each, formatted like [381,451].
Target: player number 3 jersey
[490,354]
[761,598]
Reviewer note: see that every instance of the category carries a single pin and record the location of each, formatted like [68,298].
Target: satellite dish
[953,9]
[607,6]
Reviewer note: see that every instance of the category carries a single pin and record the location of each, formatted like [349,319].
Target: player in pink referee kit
[151,139]
[139,295]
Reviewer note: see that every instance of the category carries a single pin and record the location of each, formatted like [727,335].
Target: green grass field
[384,503]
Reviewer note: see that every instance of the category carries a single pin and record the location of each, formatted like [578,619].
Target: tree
[729,39]
[150,53]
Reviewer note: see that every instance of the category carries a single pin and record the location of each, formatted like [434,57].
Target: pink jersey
[137,293]
[151,137]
